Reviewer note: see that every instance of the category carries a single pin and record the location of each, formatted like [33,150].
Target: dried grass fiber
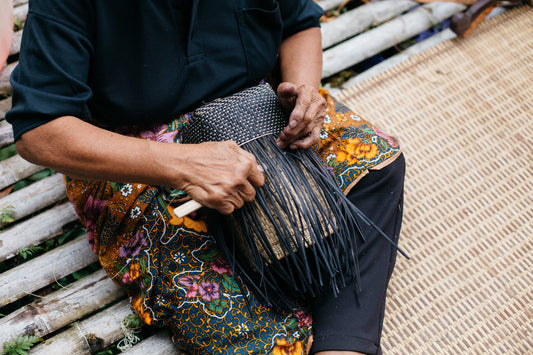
[464,112]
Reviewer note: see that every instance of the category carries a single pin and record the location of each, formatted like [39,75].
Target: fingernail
[260,168]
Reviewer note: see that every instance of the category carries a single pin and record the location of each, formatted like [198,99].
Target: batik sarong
[174,273]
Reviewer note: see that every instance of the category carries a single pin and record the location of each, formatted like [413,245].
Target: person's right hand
[221,175]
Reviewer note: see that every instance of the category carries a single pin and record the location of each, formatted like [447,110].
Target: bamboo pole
[159,343]
[15,45]
[35,197]
[44,270]
[20,12]
[361,18]
[19,2]
[6,132]
[329,4]
[15,169]
[385,36]
[36,230]
[5,105]
[5,85]
[391,62]
[90,335]
[56,310]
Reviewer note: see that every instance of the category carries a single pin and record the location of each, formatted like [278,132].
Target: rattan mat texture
[464,113]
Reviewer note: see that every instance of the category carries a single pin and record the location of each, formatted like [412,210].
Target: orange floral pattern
[170,266]
[350,145]
[284,347]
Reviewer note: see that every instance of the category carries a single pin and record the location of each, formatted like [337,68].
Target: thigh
[353,321]
[194,293]
[177,277]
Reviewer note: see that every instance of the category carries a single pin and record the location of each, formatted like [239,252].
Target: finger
[287,94]
[225,208]
[312,138]
[246,193]
[254,172]
[298,122]
[257,176]
[287,90]
[312,118]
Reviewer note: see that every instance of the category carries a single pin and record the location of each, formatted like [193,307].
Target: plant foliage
[29,251]
[6,214]
[20,345]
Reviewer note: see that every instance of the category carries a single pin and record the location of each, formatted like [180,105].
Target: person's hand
[307,111]
[221,175]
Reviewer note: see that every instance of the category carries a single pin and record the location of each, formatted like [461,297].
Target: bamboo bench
[85,316]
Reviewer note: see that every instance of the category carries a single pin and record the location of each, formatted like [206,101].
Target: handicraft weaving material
[300,232]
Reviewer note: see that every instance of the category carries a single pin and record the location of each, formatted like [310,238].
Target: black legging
[350,322]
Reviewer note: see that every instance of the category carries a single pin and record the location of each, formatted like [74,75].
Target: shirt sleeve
[51,77]
[299,15]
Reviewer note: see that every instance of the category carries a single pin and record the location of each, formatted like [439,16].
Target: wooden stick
[187,208]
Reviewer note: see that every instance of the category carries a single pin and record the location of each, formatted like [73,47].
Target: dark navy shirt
[125,62]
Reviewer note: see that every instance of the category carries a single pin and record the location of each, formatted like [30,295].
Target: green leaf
[292,324]
[142,262]
[132,321]
[26,252]
[368,131]
[78,275]
[210,255]
[20,344]
[6,214]
[230,284]
[42,174]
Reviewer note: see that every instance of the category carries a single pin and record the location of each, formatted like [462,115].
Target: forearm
[301,58]
[81,150]
[218,175]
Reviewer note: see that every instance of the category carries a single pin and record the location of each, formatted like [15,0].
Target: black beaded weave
[300,233]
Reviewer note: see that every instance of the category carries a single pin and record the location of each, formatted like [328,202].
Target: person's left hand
[307,111]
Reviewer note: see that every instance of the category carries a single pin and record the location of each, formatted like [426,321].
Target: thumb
[287,90]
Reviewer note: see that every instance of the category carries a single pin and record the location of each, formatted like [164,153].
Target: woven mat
[464,112]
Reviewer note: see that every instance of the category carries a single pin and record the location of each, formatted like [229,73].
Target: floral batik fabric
[351,146]
[174,273]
